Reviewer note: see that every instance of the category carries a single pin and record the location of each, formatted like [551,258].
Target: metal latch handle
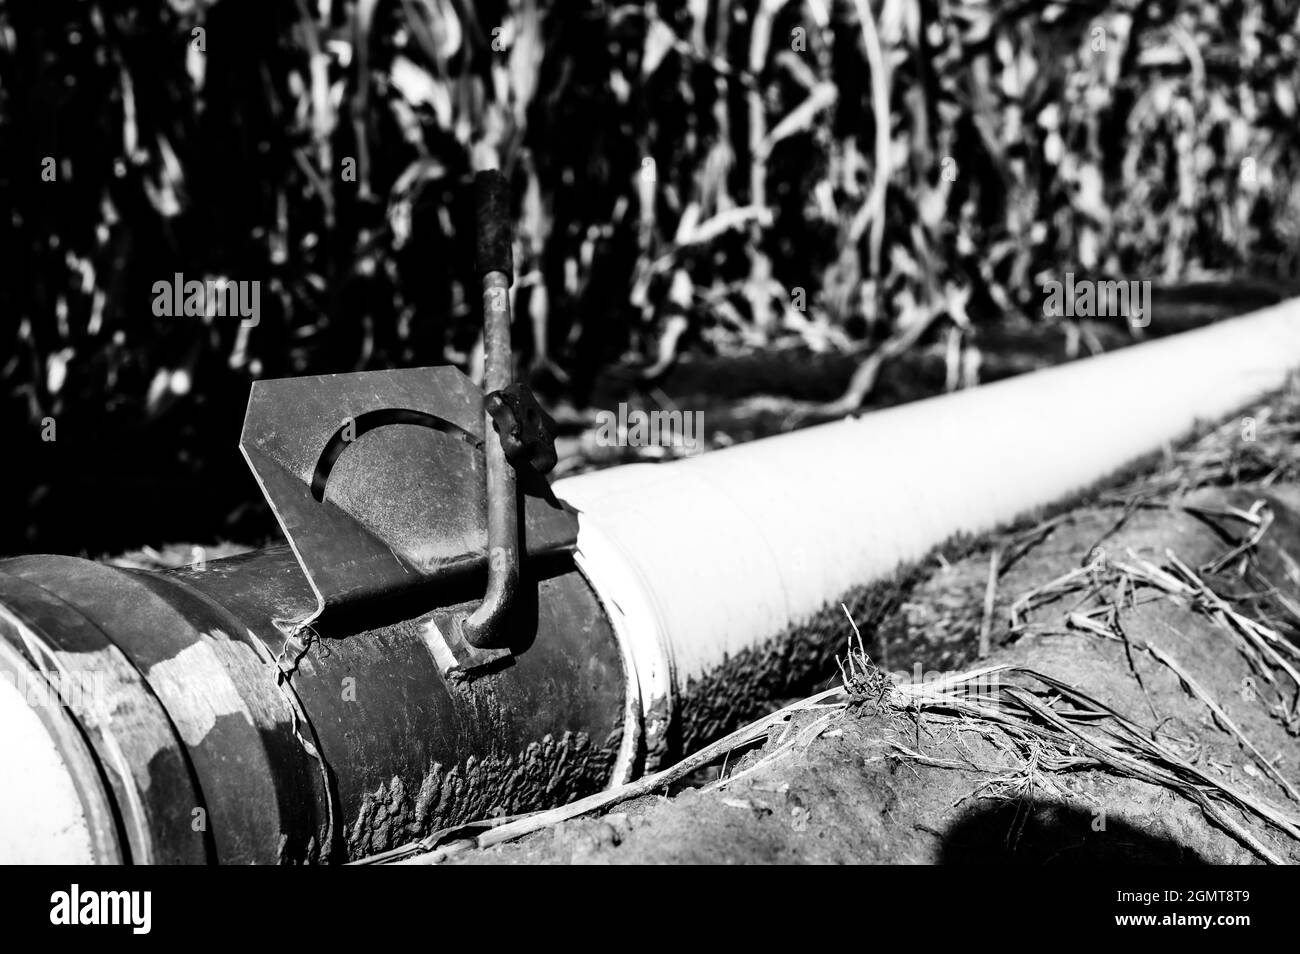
[482,628]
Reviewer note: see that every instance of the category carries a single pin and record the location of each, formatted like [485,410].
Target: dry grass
[1259,448]
[1056,727]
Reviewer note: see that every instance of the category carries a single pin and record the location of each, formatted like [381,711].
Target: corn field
[715,174]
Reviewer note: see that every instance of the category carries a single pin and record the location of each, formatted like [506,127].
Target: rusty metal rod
[483,628]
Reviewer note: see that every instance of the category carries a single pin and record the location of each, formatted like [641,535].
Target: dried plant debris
[1045,728]
[1259,447]
[1053,727]
[1097,594]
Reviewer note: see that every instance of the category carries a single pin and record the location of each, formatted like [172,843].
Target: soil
[847,792]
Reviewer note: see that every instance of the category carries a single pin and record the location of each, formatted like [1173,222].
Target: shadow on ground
[1036,833]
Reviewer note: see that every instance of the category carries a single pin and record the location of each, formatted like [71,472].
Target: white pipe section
[702,558]
[42,820]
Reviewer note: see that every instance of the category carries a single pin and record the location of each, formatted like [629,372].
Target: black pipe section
[224,735]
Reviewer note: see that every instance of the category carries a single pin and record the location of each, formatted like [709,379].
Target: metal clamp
[526,431]
[390,483]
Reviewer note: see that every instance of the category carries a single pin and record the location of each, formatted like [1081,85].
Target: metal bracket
[431,489]
[377,478]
